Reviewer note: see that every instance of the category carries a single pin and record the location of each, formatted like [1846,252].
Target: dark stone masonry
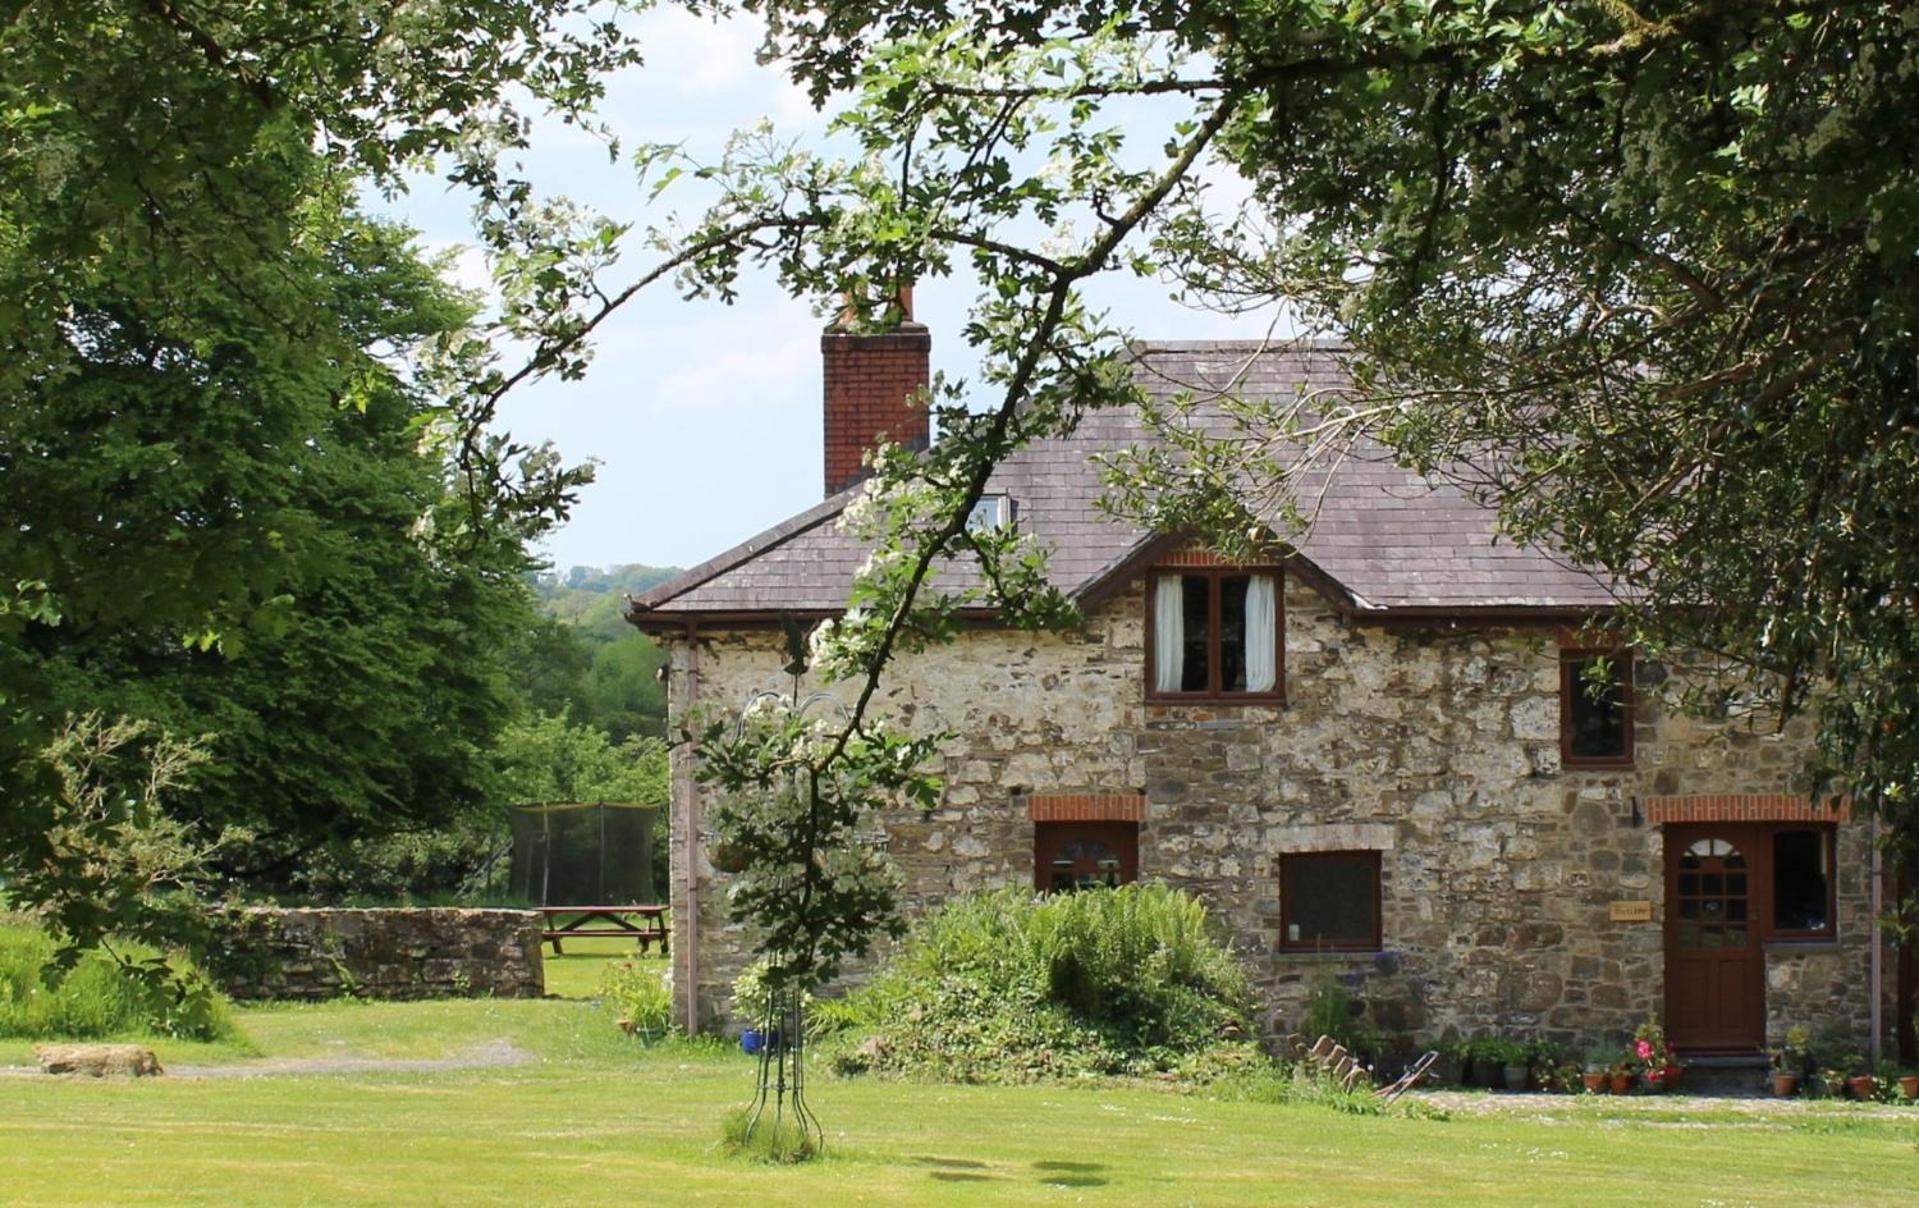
[1437,748]
[268,953]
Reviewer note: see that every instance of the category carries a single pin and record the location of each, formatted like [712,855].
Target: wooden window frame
[1569,683]
[1127,850]
[1213,694]
[1801,935]
[1373,943]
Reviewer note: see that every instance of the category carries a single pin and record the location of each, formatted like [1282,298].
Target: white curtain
[1261,626]
[1169,634]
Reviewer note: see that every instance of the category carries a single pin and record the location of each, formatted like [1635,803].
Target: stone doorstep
[1726,1075]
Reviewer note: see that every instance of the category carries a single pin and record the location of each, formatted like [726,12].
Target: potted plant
[1546,1061]
[1885,1082]
[1789,1061]
[1483,1059]
[1859,1084]
[1785,1077]
[1909,1084]
[1461,1053]
[1833,1077]
[1653,1057]
[1514,1066]
[1598,1072]
[643,999]
[1566,1078]
[652,1011]
[1619,1078]
[753,1003]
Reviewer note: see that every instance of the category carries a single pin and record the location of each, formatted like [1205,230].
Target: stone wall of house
[1437,747]
[1824,986]
[268,953]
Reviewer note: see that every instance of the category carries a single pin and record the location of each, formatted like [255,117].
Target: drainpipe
[686,800]
[1875,979]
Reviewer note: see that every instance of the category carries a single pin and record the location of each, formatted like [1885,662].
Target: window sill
[1328,956]
[1809,944]
[1218,702]
[1595,765]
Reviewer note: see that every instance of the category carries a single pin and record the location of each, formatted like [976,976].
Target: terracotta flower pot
[1620,1083]
[1909,1086]
[1595,1083]
[1785,1086]
[1862,1086]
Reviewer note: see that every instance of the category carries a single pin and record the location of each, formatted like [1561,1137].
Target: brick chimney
[873,383]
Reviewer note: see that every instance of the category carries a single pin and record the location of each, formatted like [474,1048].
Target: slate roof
[1389,540]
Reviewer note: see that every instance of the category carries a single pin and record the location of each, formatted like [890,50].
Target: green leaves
[793,811]
[548,759]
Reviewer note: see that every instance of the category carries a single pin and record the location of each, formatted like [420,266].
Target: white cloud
[738,369]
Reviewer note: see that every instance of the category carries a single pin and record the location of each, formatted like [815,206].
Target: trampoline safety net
[583,855]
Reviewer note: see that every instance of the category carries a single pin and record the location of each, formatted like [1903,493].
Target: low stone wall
[268,953]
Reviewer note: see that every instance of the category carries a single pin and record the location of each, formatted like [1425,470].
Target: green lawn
[588,1118]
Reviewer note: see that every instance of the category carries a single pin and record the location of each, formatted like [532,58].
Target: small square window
[1070,856]
[991,512]
[1329,901]
[1595,708]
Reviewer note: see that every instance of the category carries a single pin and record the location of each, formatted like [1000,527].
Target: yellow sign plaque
[1632,912]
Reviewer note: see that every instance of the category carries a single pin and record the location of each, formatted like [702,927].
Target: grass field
[587,1117]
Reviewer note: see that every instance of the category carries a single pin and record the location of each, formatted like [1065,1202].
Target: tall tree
[616,685]
[362,696]
[211,371]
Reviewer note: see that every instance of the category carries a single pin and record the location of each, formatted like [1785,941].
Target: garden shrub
[100,997]
[1006,986]
[1332,1011]
[640,995]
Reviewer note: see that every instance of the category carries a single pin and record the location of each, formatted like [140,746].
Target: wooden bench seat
[605,922]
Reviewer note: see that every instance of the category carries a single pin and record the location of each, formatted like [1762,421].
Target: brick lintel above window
[1086,807]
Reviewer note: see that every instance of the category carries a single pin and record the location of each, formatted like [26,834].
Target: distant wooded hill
[586,660]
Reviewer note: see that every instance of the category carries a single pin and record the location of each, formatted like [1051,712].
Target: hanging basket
[727,857]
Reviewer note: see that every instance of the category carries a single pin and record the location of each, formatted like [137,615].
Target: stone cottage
[1374,753]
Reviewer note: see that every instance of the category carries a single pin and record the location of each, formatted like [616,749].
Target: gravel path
[1466,1102]
[496,1054]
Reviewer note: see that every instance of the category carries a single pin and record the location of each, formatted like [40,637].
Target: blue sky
[705,418]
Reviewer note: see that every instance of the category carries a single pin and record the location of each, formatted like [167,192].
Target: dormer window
[1215,633]
[991,512]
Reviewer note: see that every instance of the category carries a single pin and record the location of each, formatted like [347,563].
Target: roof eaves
[663,594]
[738,619]
[1121,570]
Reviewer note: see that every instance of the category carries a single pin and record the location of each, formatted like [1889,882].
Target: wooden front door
[1716,887]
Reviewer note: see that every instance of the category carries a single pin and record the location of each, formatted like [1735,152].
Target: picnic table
[645,925]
